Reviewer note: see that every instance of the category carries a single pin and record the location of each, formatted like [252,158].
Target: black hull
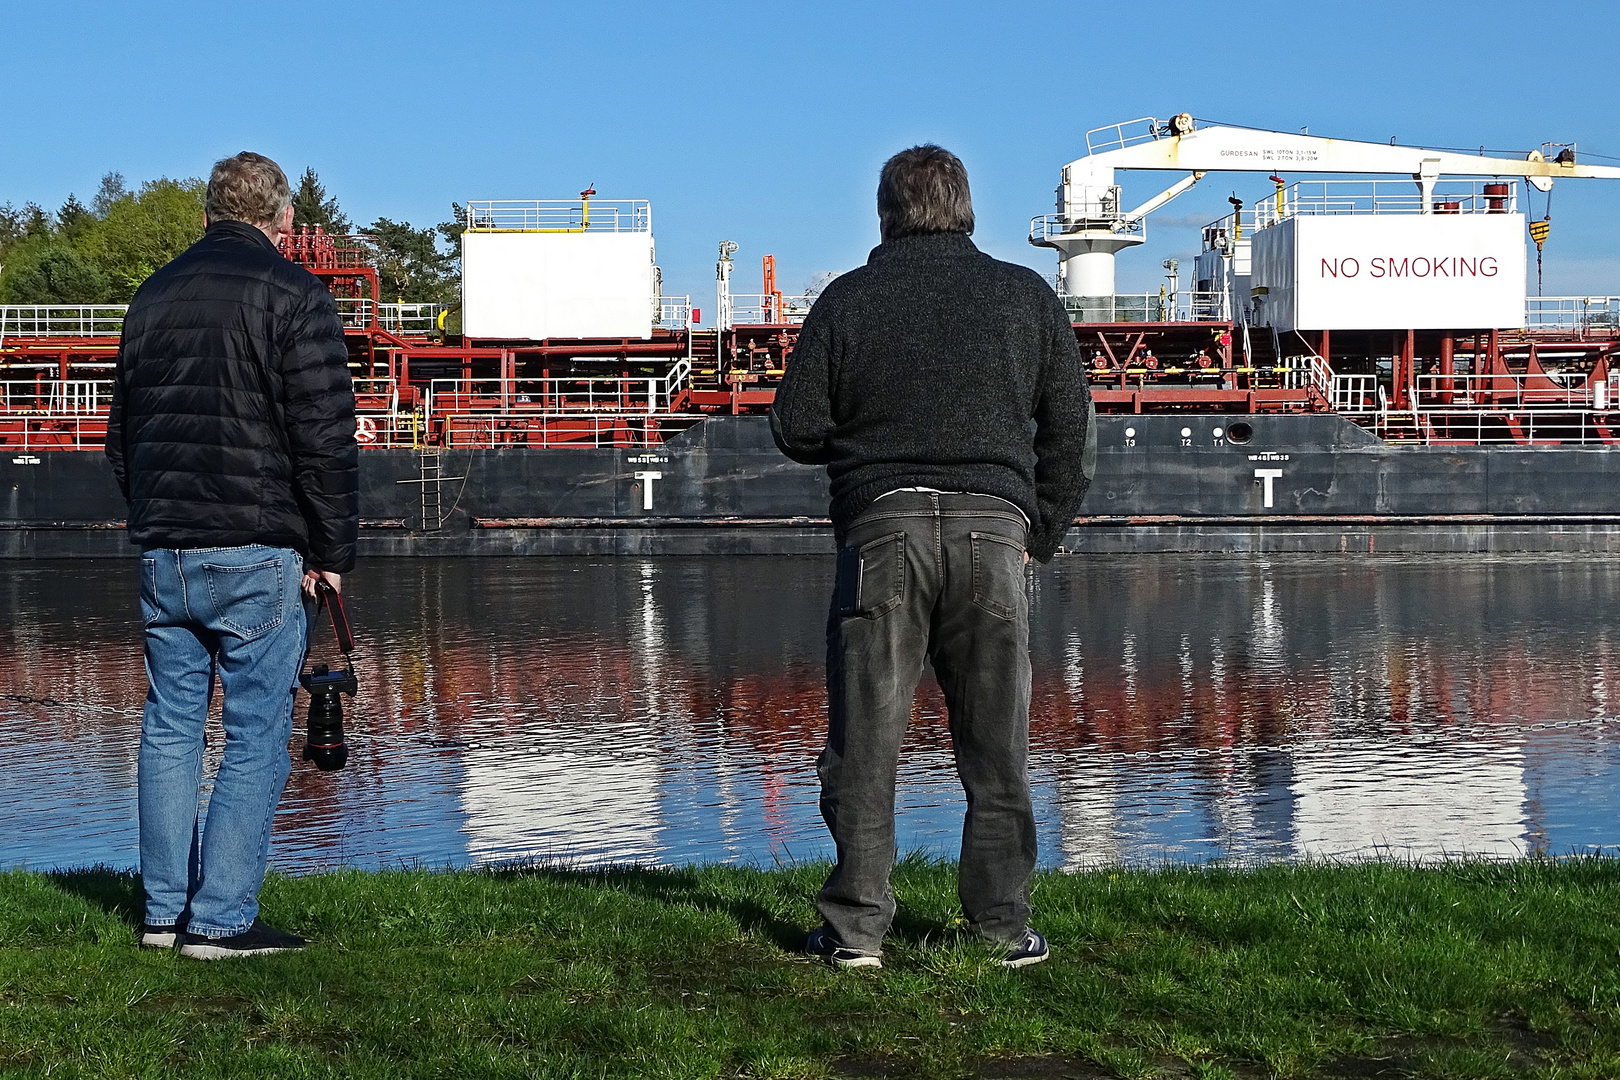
[722,488]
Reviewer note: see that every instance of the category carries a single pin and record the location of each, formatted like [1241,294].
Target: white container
[539,270]
[1389,272]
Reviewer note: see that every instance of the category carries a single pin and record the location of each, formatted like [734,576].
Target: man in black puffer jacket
[232,435]
[943,391]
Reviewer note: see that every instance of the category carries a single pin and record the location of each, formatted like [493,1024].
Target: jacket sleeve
[115,427]
[1065,438]
[801,414]
[319,400]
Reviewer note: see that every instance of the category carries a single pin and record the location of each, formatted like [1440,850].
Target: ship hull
[1164,483]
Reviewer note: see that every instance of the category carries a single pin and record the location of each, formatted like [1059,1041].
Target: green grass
[1469,970]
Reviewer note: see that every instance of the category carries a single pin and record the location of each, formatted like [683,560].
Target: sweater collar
[925,247]
[241,230]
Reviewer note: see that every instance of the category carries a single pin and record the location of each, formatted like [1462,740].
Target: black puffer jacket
[233,416]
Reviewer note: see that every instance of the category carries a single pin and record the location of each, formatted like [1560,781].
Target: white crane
[1091,225]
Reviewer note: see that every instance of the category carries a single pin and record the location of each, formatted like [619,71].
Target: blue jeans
[237,611]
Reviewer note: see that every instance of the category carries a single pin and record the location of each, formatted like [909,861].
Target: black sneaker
[259,939]
[159,937]
[1031,950]
[823,946]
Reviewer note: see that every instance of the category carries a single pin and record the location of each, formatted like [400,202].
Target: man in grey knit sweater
[943,391]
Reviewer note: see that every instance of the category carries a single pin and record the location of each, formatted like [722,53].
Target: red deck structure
[418,384]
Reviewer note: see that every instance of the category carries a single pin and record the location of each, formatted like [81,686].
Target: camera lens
[324,744]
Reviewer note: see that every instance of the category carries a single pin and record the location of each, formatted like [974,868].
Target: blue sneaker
[822,945]
[260,939]
[1031,950]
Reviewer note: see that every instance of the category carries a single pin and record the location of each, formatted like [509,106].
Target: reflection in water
[1185,708]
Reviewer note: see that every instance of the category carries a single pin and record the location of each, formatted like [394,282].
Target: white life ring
[365,430]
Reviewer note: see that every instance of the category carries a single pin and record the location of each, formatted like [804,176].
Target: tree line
[101,253]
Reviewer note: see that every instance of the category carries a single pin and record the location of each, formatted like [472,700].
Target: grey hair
[924,190]
[248,187]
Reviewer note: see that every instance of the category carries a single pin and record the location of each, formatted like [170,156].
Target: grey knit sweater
[935,365]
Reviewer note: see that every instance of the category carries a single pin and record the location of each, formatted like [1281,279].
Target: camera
[324,744]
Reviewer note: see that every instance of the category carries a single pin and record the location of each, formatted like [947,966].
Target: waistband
[956,503]
[1005,503]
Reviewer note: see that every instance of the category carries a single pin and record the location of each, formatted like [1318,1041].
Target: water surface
[669,710]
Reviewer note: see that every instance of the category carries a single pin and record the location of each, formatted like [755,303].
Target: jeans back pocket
[150,609]
[998,574]
[872,577]
[248,600]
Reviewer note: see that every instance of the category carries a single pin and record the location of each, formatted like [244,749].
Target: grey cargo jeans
[933,577]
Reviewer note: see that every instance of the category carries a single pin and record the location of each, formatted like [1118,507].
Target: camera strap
[333,602]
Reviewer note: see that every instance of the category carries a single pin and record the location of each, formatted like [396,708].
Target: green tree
[411,264]
[51,271]
[102,253]
[451,230]
[74,219]
[312,207]
[11,229]
[112,189]
[143,231]
[17,226]
[22,231]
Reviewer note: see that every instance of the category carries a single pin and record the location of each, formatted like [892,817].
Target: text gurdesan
[1440,266]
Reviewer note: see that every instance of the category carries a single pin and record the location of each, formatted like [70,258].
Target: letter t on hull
[1267,477]
[647,479]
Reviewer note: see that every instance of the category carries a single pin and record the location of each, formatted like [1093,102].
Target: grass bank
[1469,970]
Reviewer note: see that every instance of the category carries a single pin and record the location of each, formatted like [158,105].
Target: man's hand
[313,576]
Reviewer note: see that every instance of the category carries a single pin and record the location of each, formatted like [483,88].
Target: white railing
[377,429]
[380,392]
[55,397]
[1354,393]
[1223,234]
[555,397]
[604,431]
[1321,377]
[598,412]
[412,319]
[54,414]
[107,320]
[1333,197]
[379,419]
[1047,227]
[559,215]
[1185,305]
[1576,313]
[52,433]
[354,312]
[1115,137]
[758,309]
[674,312]
[1498,427]
[416,320]
[62,320]
[1471,393]
[1300,373]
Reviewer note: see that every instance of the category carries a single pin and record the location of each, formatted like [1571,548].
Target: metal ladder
[428,473]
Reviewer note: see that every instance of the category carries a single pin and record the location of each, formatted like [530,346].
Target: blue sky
[766,123]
